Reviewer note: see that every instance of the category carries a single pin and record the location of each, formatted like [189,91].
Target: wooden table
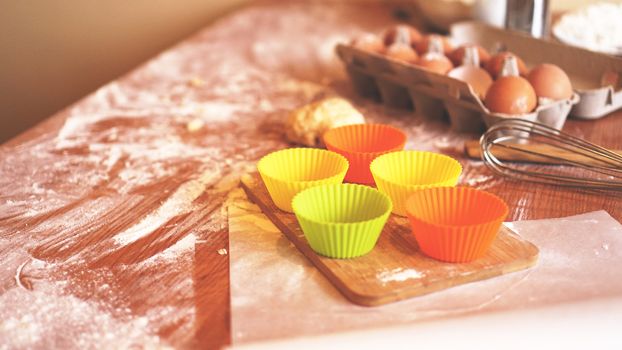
[113,211]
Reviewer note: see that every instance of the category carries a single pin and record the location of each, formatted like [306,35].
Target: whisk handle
[473,150]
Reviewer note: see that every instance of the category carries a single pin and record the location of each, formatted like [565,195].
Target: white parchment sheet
[277,293]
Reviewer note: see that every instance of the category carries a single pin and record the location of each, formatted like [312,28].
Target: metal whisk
[577,163]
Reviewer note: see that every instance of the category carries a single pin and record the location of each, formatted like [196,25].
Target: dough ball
[307,124]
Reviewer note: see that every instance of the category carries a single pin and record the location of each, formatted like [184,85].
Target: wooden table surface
[113,212]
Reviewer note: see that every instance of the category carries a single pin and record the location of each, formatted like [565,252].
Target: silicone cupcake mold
[400,174]
[342,221]
[289,171]
[455,224]
[361,144]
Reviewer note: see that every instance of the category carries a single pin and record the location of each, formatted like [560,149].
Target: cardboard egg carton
[596,77]
[437,96]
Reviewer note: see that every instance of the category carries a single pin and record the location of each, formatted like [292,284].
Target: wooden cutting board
[395,269]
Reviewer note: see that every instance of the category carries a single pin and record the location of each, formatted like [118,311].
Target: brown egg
[423,45]
[401,33]
[435,62]
[457,55]
[495,64]
[511,95]
[477,77]
[550,81]
[402,52]
[369,42]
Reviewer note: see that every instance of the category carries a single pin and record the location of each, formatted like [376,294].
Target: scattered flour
[44,318]
[123,141]
[173,252]
[596,27]
[178,203]
[478,181]
[398,275]
[40,310]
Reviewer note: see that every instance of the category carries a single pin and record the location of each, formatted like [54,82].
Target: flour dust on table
[126,200]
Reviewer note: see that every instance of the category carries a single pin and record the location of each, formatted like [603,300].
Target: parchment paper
[277,293]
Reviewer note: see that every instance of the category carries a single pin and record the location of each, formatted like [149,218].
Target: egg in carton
[596,78]
[403,85]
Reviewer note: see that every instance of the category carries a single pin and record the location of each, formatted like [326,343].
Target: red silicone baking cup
[455,224]
[361,144]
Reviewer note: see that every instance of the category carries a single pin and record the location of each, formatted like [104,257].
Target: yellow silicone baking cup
[400,174]
[342,221]
[289,171]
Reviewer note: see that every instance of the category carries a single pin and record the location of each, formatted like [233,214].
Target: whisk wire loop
[601,168]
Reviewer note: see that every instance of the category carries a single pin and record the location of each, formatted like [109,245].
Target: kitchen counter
[113,215]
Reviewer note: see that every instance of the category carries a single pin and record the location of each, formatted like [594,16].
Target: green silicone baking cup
[342,221]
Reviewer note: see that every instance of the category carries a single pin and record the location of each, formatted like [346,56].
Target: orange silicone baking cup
[361,144]
[455,224]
